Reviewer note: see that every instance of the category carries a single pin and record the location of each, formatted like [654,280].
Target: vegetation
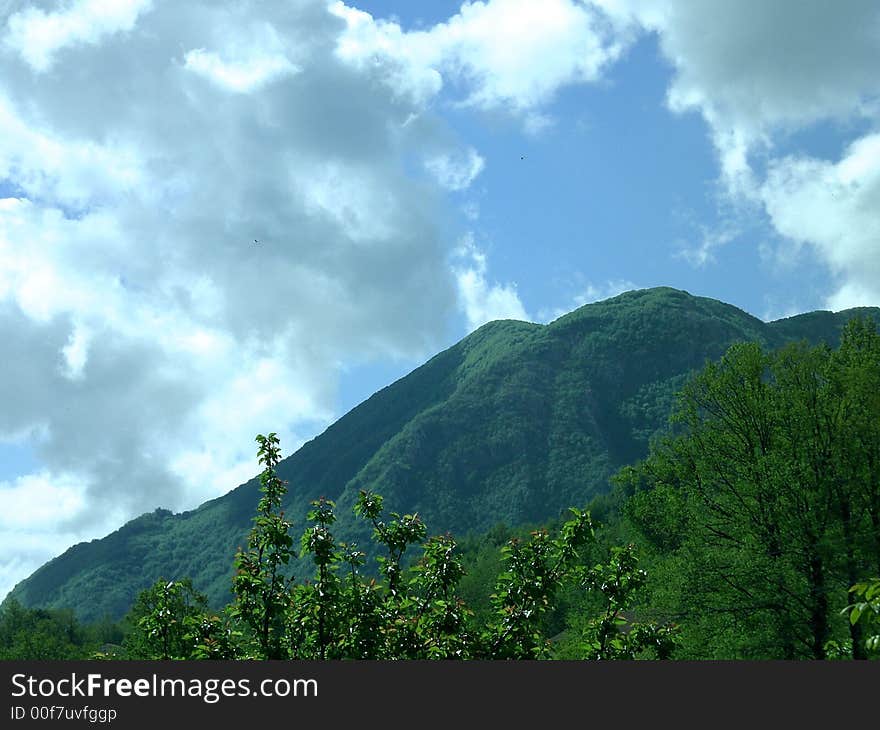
[38,633]
[749,530]
[412,612]
[261,588]
[512,425]
[162,621]
[866,611]
[763,511]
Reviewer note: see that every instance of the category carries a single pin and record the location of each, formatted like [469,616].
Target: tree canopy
[765,503]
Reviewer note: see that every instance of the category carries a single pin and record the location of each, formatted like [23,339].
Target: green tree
[612,634]
[415,610]
[856,380]
[763,500]
[162,619]
[41,634]
[412,611]
[260,584]
[866,612]
[533,573]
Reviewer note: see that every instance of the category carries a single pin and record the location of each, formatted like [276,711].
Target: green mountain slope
[514,423]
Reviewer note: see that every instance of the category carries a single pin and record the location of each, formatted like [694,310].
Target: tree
[415,611]
[612,634]
[765,494]
[162,620]
[866,612]
[533,573]
[412,611]
[40,634]
[260,585]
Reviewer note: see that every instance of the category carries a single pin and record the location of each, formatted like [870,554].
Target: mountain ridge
[515,422]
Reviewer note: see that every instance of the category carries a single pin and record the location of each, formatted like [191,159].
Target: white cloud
[535,124]
[351,196]
[701,252]
[71,172]
[382,47]
[854,294]
[76,351]
[759,71]
[832,208]
[38,35]
[610,288]
[147,338]
[753,67]
[775,310]
[41,500]
[518,52]
[511,54]
[471,210]
[456,172]
[39,516]
[243,75]
[480,300]
[245,60]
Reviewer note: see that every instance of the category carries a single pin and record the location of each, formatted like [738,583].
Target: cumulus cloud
[210,208]
[36,512]
[753,68]
[147,337]
[383,47]
[832,208]
[241,75]
[456,172]
[758,72]
[508,54]
[517,52]
[38,35]
[481,300]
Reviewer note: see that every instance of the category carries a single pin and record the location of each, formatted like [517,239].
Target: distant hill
[513,424]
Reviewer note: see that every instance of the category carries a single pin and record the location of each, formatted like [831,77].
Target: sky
[224,219]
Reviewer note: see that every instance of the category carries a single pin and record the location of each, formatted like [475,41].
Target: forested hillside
[512,425]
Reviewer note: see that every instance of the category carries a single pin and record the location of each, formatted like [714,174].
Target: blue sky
[411,171]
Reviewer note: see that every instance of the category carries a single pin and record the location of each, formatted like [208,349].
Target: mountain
[515,423]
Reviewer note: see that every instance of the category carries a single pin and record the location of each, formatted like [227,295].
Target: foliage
[40,634]
[413,611]
[756,510]
[416,612]
[162,620]
[260,586]
[763,510]
[534,571]
[866,611]
[613,635]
